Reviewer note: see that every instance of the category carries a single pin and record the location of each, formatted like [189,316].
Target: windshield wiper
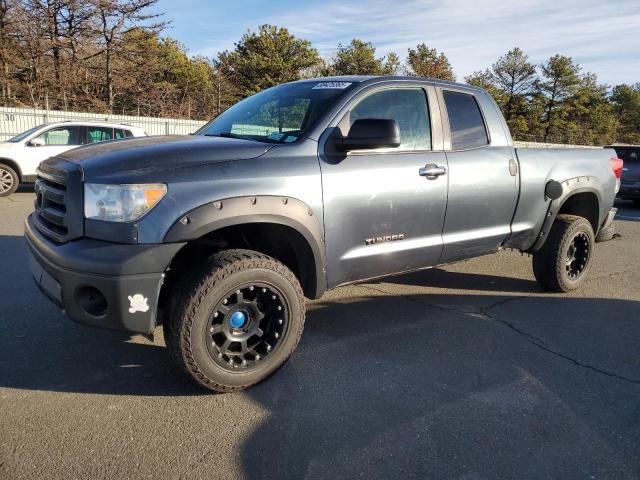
[229,135]
[243,137]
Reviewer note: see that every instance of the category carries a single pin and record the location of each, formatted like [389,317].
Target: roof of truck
[372,78]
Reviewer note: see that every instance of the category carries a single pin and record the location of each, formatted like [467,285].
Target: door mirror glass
[370,133]
[36,142]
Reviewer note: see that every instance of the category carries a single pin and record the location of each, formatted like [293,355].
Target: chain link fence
[16,120]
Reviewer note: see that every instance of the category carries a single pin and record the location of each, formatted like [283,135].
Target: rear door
[381,214]
[482,176]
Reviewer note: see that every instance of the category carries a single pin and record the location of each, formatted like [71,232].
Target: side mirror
[370,133]
[36,142]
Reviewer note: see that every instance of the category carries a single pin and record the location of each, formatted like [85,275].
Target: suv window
[99,134]
[628,155]
[119,133]
[61,136]
[407,106]
[465,120]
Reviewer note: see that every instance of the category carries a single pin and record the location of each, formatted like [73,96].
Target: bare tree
[116,18]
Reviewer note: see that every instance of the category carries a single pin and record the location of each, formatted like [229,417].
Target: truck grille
[59,200]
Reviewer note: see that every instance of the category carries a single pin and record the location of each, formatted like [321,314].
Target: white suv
[21,155]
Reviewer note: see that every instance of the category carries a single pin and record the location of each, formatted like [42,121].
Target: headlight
[121,203]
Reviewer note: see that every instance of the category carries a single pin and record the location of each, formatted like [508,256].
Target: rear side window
[99,134]
[465,120]
[407,106]
[119,133]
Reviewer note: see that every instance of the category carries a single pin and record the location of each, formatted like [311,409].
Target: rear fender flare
[570,187]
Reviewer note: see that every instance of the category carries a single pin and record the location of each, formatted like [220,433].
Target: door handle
[432,171]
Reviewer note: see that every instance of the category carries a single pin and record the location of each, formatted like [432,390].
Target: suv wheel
[562,263]
[238,321]
[9,180]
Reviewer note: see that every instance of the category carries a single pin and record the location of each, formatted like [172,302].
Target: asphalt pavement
[467,371]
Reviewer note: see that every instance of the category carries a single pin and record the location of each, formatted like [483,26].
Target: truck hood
[152,154]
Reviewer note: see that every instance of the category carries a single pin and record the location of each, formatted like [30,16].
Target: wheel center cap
[238,319]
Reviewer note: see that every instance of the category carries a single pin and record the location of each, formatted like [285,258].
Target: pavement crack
[541,344]
[532,339]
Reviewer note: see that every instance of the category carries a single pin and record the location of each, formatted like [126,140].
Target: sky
[602,36]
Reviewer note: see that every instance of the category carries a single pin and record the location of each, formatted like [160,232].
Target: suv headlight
[121,203]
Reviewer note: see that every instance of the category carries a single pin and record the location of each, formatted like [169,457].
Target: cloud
[602,36]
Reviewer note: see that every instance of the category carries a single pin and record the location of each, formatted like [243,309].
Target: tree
[560,79]
[590,118]
[514,75]
[626,103]
[116,18]
[427,62]
[359,58]
[266,58]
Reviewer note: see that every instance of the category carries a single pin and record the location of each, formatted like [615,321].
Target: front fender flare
[280,210]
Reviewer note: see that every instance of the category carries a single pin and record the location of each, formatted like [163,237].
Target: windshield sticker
[277,136]
[334,85]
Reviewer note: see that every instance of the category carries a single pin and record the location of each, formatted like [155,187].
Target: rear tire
[237,321]
[9,180]
[563,262]
[636,203]
[605,234]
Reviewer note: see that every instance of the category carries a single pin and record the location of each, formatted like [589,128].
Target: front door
[382,213]
[56,141]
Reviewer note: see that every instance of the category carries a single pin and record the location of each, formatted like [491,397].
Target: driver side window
[407,106]
[62,136]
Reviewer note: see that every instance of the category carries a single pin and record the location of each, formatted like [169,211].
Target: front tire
[238,320]
[9,180]
[562,263]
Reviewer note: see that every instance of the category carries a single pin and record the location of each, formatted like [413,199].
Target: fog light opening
[92,301]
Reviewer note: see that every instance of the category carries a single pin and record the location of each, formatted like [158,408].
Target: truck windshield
[278,115]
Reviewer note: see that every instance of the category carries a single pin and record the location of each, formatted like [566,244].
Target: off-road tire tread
[220,266]
[547,270]
[605,234]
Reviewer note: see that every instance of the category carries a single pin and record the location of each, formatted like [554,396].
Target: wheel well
[12,163]
[281,242]
[584,205]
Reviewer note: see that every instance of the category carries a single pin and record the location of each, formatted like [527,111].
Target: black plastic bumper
[99,283]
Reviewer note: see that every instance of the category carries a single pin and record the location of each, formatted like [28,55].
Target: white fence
[16,120]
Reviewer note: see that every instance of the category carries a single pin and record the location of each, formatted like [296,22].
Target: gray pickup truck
[220,236]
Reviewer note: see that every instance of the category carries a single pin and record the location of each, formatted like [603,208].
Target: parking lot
[466,371]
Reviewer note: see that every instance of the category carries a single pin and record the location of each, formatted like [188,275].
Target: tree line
[112,56]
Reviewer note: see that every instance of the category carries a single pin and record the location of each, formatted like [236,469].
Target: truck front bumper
[103,284]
